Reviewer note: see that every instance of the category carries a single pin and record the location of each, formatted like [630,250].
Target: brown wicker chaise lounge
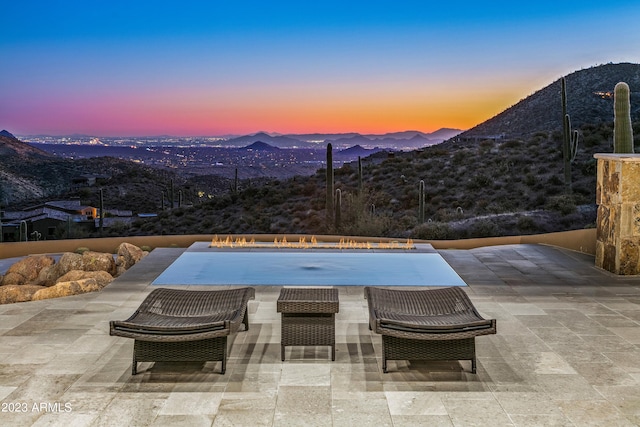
[433,324]
[185,325]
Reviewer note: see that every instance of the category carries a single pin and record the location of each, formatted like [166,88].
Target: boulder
[18,293]
[68,261]
[63,289]
[129,254]
[102,278]
[13,279]
[30,266]
[97,261]
[120,270]
[47,276]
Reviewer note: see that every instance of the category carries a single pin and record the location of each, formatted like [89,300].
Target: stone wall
[618,224]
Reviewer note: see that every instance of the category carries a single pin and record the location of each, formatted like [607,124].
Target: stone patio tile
[304,374]
[66,419]
[126,411]
[625,398]
[538,321]
[522,403]
[614,320]
[631,334]
[626,360]
[473,412]
[250,409]
[592,413]
[303,400]
[193,403]
[415,403]
[183,421]
[567,387]
[606,374]
[421,420]
[360,412]
[243,381]
[523,308]
[87,402]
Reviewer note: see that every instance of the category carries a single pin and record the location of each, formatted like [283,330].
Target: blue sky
[196,68]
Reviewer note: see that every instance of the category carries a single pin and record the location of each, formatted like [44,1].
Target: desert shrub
[514,143]
[538,136]
[484,228]
[309,189]
[571,221]
[360,219]
[592,140]
[433,231]
[478,181]
[459,157]
[486,146]
[526,224]
[563,203]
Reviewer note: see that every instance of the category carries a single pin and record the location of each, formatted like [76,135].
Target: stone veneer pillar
[618,200]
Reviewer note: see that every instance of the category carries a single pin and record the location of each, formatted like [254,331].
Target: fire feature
[312,243]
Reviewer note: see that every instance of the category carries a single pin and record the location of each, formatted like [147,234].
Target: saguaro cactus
[622,130]
[235,182]
[338,216]
[569,138]
[330,209]
[171,194]
[421,202]
[359,175]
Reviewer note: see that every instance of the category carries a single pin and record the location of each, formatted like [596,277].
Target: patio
[566,353]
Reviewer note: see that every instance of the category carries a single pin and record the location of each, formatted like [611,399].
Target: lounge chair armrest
[382,323]
[167,329]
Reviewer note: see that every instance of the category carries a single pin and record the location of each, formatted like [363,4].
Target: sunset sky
[189,68]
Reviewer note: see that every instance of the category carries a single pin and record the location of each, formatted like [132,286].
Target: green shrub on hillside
[433,231]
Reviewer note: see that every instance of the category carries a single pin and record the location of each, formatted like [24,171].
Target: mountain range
[10,145]
[395,140]
[589,100]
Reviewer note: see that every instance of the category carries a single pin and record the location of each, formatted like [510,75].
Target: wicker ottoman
[308,317]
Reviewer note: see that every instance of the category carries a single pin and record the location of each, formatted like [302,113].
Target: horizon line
[228,135]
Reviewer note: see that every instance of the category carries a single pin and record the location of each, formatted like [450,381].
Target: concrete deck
[567,353]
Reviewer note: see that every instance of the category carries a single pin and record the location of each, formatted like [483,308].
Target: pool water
[309,268]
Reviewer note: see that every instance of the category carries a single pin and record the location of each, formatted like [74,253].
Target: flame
[302,243]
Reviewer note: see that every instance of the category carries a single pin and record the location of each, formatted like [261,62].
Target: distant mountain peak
[260,146]
[261,134]
[6,133]
[358,150]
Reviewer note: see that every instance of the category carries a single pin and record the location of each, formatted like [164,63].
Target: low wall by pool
[577,240]
[202,265]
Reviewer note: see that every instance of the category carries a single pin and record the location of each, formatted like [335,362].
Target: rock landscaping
[39,277]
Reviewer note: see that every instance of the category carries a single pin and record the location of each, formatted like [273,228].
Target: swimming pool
[202,265]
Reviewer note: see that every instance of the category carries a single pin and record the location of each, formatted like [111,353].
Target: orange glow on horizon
[187,113]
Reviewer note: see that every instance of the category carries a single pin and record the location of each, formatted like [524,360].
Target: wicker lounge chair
[183,325]
[435,324]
